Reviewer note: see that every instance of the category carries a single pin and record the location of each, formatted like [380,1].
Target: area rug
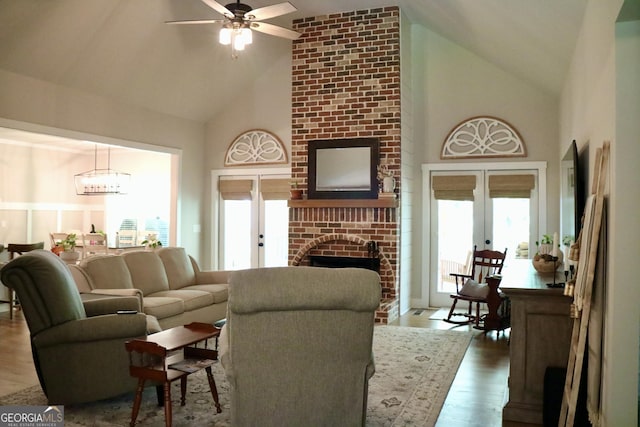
[414,371]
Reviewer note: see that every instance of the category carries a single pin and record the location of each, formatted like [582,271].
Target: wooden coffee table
[148,361]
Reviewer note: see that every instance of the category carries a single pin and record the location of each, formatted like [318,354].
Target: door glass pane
[276,233]
[455,240]
[237,234]
[511,225]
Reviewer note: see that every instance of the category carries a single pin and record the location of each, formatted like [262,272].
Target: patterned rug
[414,371]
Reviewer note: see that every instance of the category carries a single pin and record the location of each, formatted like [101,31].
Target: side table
[148,361]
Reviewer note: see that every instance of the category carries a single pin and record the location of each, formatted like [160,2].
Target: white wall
[34,102]
[622,342]
[456,84]
[600,102]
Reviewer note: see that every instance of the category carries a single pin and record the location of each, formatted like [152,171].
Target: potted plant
[296,193]
[543,260]
[68,252]
[545,246]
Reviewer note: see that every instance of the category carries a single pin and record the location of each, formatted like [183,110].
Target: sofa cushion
[147,271]
[178,267]
[83,282]
[107,272]
[192,299]
[220,292]
[162,307]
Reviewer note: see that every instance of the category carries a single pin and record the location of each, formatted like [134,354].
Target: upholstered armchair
[77,358]
[297,345]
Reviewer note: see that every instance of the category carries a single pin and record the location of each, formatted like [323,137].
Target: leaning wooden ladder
[582,290]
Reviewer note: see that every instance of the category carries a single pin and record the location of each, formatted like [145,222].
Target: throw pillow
[471,288]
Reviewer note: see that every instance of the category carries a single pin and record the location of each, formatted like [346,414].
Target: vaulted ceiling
[122,50]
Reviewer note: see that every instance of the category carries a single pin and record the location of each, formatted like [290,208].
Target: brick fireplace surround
[346,84]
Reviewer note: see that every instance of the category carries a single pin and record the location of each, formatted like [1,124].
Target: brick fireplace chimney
[346,84]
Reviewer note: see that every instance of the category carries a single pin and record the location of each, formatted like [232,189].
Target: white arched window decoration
[483,137]
[255,147]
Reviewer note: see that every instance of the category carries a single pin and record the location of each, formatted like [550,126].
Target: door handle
[488,242]
[260,244]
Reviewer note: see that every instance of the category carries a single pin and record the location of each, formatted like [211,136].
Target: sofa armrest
[133,292]
[210,277]
[99,328]
[96,305]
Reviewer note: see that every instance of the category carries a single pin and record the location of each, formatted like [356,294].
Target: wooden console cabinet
[540,337]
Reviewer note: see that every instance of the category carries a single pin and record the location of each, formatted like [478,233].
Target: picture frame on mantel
[343,168]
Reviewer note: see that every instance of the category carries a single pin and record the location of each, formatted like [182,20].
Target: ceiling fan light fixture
[247,35]
[238,43]
[239,37]
[238,19]
[225,36]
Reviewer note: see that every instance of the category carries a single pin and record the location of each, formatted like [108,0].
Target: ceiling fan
[239,19]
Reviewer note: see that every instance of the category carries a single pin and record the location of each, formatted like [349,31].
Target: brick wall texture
[346,84]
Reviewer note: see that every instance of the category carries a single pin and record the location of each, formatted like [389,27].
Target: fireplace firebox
[342,262]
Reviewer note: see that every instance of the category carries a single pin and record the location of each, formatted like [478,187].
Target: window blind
[275,189]
[453,187]
[236,189]
[511,186]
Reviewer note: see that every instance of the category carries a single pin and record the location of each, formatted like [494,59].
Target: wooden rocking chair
[471,288]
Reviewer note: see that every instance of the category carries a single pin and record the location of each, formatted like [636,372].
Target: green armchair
[77,358]
[297,345]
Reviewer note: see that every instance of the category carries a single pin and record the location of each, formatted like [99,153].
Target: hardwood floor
[17,370]
[476,396]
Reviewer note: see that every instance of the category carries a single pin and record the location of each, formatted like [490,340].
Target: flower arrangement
[151,241]
[383,172]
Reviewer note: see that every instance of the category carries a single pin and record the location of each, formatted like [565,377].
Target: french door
[492,207]
[252,220]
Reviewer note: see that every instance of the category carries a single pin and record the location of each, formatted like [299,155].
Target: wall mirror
[343,168]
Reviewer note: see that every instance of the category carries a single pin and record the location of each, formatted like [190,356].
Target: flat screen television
[572,193]
[343,168]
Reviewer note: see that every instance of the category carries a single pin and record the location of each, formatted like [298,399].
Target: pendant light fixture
[100,182]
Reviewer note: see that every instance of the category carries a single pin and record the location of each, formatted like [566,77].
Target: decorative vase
[388,184]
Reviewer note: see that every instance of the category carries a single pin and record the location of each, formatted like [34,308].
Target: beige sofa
[167,281]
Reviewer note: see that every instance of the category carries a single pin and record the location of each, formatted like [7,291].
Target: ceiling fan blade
[267,12]
[274,30]
[196,21]
[218,8]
